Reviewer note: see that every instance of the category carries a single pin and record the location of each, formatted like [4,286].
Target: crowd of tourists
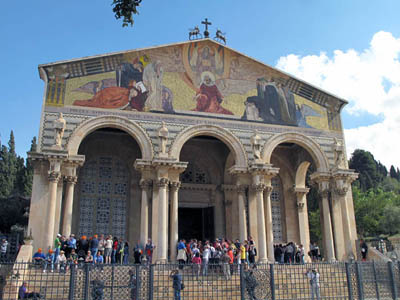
[101,249]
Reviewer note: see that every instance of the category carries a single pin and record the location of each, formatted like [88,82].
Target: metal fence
[344,281]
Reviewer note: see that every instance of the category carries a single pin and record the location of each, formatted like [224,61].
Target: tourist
[126,253]
[72,260]
[49,260]
[114,250]
[57,247]
[149,248]
[196,260]
[94,244]
[301,254]
[102,244]
[313,276]
[71,244]
[137,253]
[206,258]
[62,262]
[314,249]
[132,284]
[108,249]
[364,250]
[243,252]
[98,259]
[250,283]
[225,259]
[39,257]
[82,246]
[177,284]
[3,250]
[89,257]
[181,257]
[252,253]
[24,294]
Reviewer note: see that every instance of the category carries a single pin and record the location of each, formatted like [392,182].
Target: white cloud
[370,81]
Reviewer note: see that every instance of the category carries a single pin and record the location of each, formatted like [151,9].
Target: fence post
[348,277]
[112,281]
[392,280]
[242,283]
[376,281]
[138,279]
[72,284]
[272,281]
[87,283]
[151,282]
[359,281]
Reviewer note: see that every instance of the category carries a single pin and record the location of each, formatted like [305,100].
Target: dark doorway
[196,223]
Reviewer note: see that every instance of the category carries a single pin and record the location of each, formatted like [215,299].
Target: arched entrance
[201,212]
[107,196]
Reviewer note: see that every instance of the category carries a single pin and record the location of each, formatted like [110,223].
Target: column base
[263,261]
[161,261]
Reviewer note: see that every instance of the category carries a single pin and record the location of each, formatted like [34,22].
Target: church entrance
[196,223]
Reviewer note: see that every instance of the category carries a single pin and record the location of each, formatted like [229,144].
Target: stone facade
[136,173]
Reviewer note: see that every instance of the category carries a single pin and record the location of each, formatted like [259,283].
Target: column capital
[259,187]
[145,183]
[54,176]
[163,182]
[301,191]
[175,185]
[342,180]
[263,169]
[71,179]
[241,189]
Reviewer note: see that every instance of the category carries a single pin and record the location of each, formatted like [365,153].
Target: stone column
[241,189]
[262,245]
[174,220]
[54,177]
[69,203]
[338,226]
[342,187]
[304,230]
[162,221]
[145,185]
[268,223]
[330,250]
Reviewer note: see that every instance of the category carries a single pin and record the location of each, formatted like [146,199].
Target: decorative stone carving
[259,187]
[145,183]
[241,189]
[54,176]
[71,179]
[256,144]
[163,182]
[163,136]
[339,153]
[59,127]
[175,185]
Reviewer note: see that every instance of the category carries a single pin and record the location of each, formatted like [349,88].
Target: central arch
[231,141]
[310,145]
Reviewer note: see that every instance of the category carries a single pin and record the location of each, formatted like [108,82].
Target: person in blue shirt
[39,257]
[177,284]
[98,259]
[71,244]
[49,260]
[94,244]
[24,294]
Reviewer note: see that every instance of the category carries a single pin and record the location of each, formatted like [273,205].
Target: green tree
[125,9]
[393,172]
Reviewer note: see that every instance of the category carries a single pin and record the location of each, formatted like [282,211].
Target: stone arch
[301,174]
[307,143]
[231,141]
[124,124]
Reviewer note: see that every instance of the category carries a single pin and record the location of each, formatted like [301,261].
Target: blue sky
[309,38]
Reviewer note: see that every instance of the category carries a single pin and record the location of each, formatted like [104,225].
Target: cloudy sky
[349,48]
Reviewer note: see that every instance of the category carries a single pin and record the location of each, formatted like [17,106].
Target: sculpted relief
[198,78]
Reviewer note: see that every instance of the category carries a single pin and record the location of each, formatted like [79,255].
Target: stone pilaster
[342,180]
[241,190]
[175,185]
[54,177]
[145,185]
[268,223]
[162,220]
[261,179]
[323,181]
[69,203]
[304,231]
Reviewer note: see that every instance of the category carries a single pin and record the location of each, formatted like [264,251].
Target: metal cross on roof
[206,22]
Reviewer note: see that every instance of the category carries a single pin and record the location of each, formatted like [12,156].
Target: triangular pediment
[200,78]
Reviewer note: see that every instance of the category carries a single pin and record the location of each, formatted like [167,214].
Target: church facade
[190,140]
